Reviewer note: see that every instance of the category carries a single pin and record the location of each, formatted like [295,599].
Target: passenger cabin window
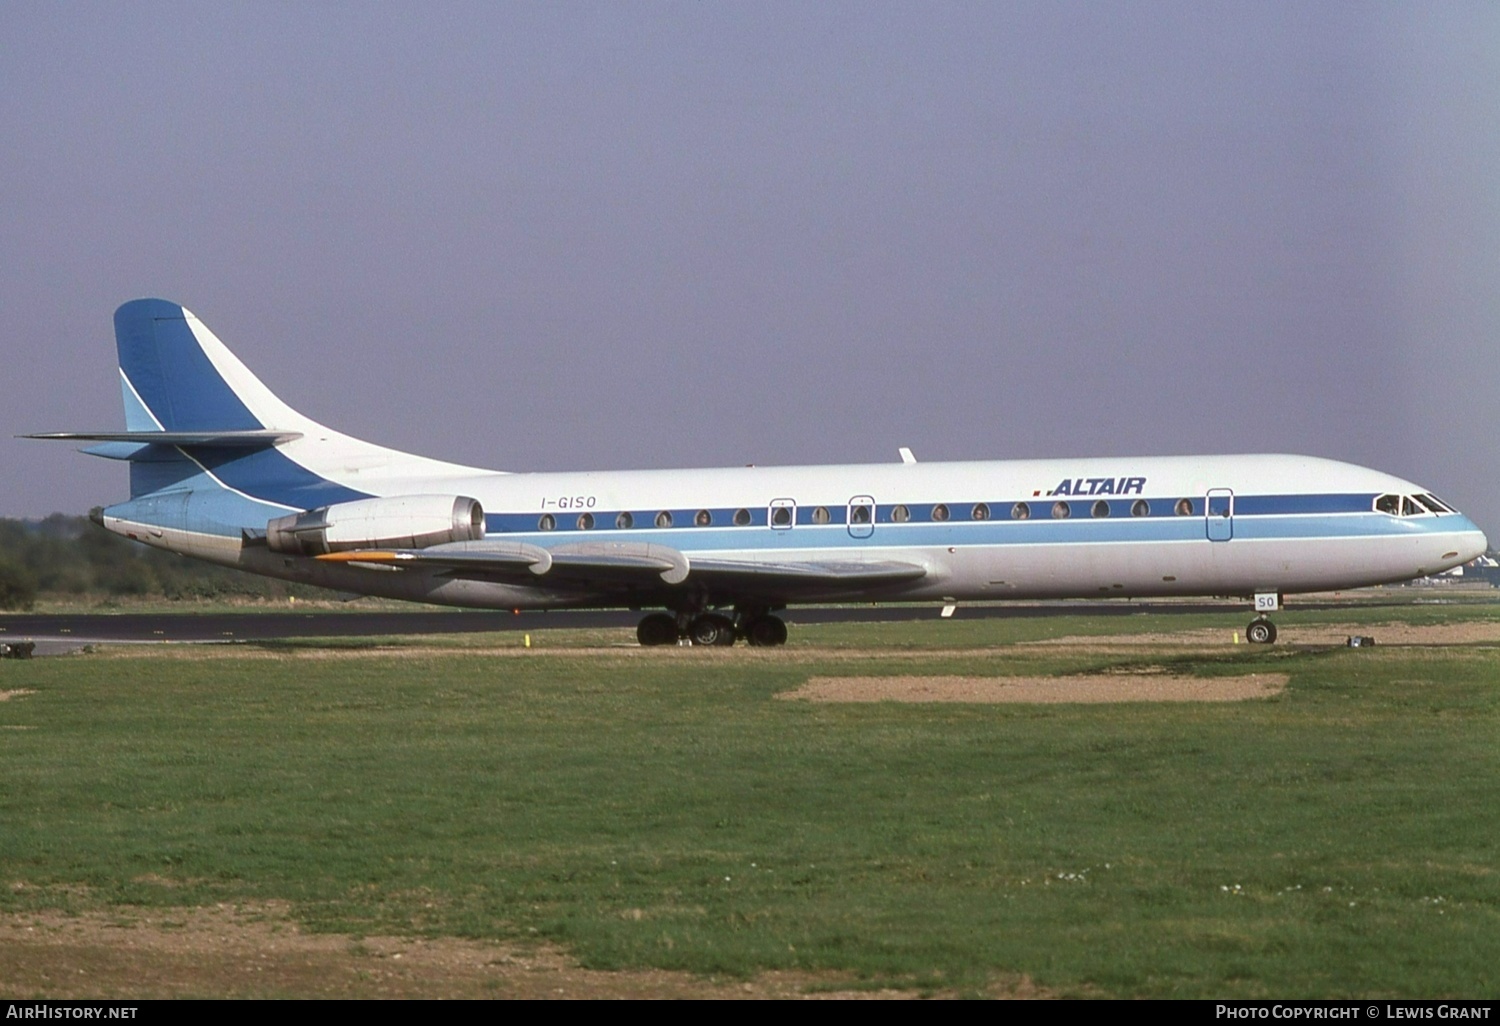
[624,521]
[1061,510]
[1140,508]
[742,518]
[1184,507]
[781,516]
[664,519]
[860,514]
[940,512]
[703,518]
[1020,511]
[586,522]
[1101,509]
[900,514]
[546,523]
[981,511]
[820,515]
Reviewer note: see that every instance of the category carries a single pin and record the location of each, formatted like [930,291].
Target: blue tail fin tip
[176,385]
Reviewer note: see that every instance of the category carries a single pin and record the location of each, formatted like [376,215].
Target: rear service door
[1220,514]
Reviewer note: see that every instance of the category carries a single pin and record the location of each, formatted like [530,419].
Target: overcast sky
[583,236]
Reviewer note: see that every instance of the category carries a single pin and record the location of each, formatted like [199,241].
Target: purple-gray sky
[583,236]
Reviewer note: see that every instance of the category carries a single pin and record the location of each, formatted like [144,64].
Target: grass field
[665,809]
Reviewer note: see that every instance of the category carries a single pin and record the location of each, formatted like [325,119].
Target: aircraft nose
[1472,542]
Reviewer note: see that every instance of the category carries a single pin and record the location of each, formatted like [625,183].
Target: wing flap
[849,571]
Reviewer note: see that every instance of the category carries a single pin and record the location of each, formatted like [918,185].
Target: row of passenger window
[625,521]
[782,516]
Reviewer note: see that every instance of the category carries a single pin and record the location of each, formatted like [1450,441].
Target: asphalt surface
[59,632]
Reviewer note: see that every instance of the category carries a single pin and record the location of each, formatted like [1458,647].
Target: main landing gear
[759,628]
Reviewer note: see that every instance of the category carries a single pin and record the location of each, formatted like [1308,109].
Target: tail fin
[176,376]
[198,421]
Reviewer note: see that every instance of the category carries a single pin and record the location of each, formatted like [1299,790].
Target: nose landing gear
[1261,631]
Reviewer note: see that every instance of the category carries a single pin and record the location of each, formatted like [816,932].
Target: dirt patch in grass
[1101,687]
[239,951]
[6,696]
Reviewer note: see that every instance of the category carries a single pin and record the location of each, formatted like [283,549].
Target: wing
[642,566]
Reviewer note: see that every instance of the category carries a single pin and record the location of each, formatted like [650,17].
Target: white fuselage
[1257,523]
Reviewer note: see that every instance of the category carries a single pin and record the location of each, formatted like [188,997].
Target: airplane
[223,470]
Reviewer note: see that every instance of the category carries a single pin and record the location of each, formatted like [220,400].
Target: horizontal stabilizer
[218,439]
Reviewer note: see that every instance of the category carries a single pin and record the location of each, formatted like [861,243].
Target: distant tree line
[66,556]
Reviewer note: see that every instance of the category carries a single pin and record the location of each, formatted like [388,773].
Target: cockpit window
[1388,504]
[1409,508]
[1435,504]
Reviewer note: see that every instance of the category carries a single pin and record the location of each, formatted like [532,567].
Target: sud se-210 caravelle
[223,470]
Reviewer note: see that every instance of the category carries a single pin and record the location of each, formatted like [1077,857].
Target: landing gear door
[861,516]
[1220,514]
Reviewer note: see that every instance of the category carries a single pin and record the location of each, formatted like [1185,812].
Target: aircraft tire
[766,631]
[711,629]
[657,629]
[1261,632]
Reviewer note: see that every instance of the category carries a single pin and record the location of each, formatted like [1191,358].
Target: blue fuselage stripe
[1255,517]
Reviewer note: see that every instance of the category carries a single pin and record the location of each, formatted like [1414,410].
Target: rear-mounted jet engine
[403,522]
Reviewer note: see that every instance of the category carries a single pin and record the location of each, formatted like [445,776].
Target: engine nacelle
[398,522]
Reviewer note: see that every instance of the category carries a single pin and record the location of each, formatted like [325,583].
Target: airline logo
[1100,486]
